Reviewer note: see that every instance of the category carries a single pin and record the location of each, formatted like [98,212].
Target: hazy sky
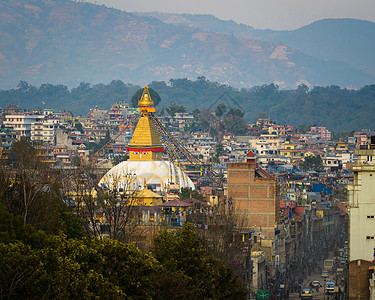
[263,14]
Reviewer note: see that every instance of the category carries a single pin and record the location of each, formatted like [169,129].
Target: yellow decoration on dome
[146,103]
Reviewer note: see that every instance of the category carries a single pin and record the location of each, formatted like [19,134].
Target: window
[370,237]
[370,217]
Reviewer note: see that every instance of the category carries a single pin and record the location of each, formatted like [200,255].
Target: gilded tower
[145,144]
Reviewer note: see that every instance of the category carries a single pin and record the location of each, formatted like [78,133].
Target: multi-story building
[272,141]
[21,123]
[361,211]
[254,194]
[44,130]
[322,132]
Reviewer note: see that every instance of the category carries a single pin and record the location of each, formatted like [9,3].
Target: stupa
[145,164]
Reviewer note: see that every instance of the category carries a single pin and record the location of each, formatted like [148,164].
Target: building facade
[361,212]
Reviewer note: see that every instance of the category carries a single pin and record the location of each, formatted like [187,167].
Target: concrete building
[44,130]
[361,211]
[21,123]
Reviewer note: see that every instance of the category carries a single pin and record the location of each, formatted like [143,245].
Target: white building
[21,123]
[270,142]
[44,130]
[361,205]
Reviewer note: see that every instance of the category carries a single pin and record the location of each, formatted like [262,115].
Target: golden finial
[146,103]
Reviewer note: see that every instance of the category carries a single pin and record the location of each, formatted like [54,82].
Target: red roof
[250,154]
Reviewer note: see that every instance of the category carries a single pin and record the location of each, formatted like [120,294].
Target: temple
[145,144]
[145,158]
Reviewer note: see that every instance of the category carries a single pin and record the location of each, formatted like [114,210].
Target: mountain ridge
[65,42]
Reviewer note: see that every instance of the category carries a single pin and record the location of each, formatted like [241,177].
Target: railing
[366,147]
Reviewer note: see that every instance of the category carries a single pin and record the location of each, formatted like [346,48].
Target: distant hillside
[65,42]
[347,40]
[344,40]
[336,108]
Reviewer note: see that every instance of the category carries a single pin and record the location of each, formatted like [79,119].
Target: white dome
[160,174]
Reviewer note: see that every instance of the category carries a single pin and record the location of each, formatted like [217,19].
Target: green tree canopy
[175,108]
[313,163]
[220,110]
[34,265]
[203,276]
[188,192]
[219,151]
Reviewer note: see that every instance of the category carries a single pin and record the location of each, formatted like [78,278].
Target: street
[316,295]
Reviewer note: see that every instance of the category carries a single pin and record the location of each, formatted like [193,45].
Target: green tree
[196,113]
[312,163]
[188,192]
[235,124]
[220,110]
[79,127]
[174,108]
[203,276]
[219,151]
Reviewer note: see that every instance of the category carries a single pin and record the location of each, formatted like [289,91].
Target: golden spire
[146,103]
[145,144]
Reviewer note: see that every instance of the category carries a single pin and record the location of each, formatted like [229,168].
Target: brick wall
[358,283]
[253,197]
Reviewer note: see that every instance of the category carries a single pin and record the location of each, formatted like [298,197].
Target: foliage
[203,276]
[219,151]
[331,106]
[37,265]
[235,124]
[76,269]
[95,147]
[312,163]
[188,192]
[342,135]
[304,128]
[33,192]
[174,108]
[117,159]
[79,127]
[220,110]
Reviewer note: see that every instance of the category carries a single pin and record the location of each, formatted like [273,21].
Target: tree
[219,151]
[32,180]
[313,163]
[235,112]
[174,108]
[220,110]
[235,124]
[196,113]
[304,128]
[138,94]
[183,254]
[78,126]
[119,204]
[57,267]
[188,192]
[302,89]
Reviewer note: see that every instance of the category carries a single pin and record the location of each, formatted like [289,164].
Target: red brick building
[253,192]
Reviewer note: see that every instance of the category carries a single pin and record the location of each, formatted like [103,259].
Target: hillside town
[285,196]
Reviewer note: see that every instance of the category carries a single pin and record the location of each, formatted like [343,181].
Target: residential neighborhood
[286,190]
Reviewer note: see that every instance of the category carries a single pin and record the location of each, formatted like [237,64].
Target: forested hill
[331,106]
[68,42]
